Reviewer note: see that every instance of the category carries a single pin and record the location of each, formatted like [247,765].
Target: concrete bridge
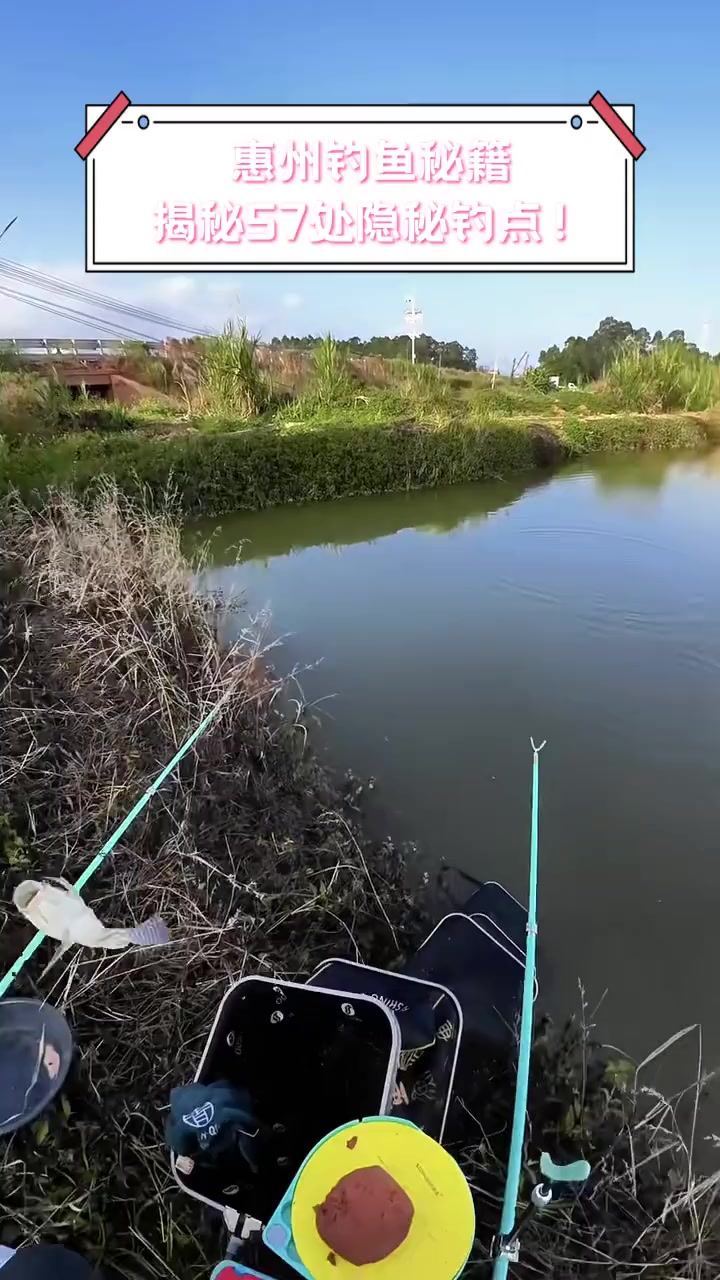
[70,348]
[83,364]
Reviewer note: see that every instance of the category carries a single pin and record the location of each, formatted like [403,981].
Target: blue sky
[662,56]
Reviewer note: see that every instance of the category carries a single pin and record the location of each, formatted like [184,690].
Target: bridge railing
[82,348]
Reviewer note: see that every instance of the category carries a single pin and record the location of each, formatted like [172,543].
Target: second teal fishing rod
[517,1141]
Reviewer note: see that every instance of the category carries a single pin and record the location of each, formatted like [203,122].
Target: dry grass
[288,373]
[293,371]
[252,857]
[648,1208]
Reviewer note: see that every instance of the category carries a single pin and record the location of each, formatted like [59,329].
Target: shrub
[32,408]
[488,404]
[425,394]
[594,398]
[55,402]
[511,399]
[52,413]
[9,362]
[18,388]
[539,380]
[369,407]
[89,414]
[627,432]
[670,377]
[141,364]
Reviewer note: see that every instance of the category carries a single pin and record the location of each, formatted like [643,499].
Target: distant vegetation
[579,361]
[235,424]
[590,359]
[428,350]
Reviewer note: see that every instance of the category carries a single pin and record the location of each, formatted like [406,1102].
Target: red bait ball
[365,1217]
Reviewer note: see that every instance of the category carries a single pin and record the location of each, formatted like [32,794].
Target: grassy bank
[239,426]
[259,864]
[227,470]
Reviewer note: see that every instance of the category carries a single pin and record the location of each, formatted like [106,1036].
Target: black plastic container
[310,1060]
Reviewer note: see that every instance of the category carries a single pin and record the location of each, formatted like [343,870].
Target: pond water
[441,629]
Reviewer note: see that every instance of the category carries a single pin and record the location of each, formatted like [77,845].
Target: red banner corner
[616,124]
[102,125]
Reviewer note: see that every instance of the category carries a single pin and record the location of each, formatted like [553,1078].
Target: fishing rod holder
[541,1197]
[509,1246]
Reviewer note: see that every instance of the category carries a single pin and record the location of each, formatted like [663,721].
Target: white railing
[83,348]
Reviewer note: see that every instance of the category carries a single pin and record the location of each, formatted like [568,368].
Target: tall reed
[331,379]
[229,379]
[668,378]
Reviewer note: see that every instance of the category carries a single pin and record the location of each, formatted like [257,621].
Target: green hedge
[263,466]
[633,431]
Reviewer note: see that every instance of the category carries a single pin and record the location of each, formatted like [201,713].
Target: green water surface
[439,630]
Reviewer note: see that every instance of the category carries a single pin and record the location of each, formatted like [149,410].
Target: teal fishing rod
[506,1250]
[575,1173]
[118,833]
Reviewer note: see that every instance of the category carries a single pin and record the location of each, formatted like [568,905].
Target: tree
[428,350]
[587,359]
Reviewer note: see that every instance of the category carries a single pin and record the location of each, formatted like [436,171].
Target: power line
[54,284]
[69,313]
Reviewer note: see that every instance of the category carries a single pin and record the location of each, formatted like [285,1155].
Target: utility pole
[413,320]
[517,362]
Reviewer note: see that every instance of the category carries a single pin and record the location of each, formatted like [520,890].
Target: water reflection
[623,473]
[582,607]
[348,521]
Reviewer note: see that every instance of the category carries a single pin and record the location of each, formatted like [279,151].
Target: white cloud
[292,300]
[175,286]
[220,285]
